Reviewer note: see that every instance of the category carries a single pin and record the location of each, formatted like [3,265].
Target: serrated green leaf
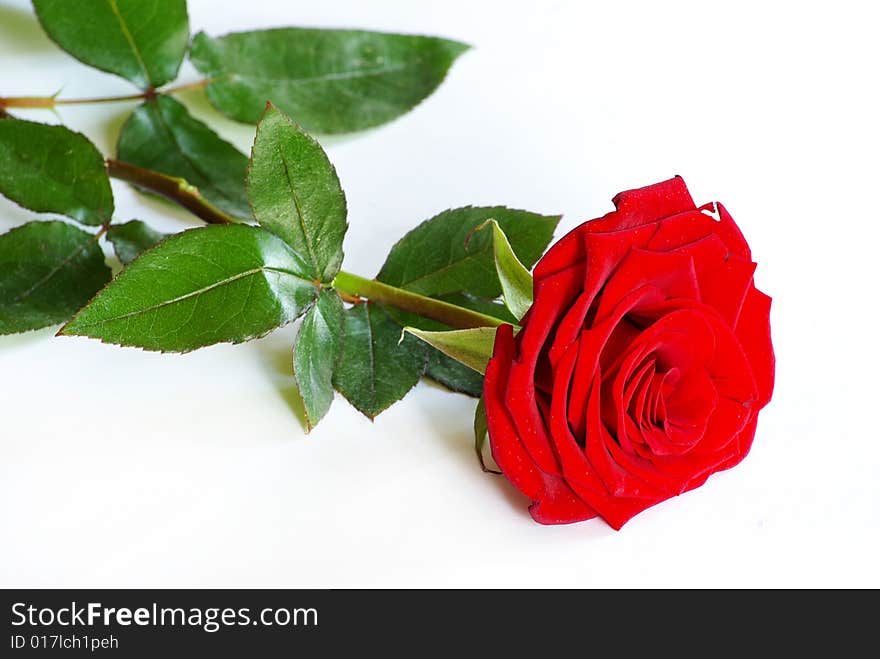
[216,284]
[516,280]
[481,433]
[316,352]
[471,347]
[295,193]
[444,255]
[132,238]
[329,81]
[48,270]
[163,136]
[453,375]
[51,169]
[143,41]
[377,368]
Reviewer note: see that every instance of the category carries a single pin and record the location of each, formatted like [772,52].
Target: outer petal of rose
[602,256]
[737,451]
[753,331]
[634,208]
[670,272]
[677,230]
[604,253]
[507,450]
[575,466]
[553,296]
[560,505]
[564,253]
[646,205]
[730,231]
[724,278]
[554,501]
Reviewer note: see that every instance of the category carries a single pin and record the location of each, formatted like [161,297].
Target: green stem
[51,101]
[443,312]
[170,187]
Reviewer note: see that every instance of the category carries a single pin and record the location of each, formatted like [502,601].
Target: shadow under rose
[456,433]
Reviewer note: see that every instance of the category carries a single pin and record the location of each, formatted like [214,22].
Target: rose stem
[442,312]
[176,189]
[51,101]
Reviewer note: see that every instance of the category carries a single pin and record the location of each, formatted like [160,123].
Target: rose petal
[724,278]
[507,451]
[623,474]
[603,254]
[560,505]
[646,205]
[753,331]
[679,230]
[736,452]
[564,253]
[620,401]
[578,472]
[671,273]
[729,367]
[552,296]
[592,345]
[689,408]
[554,501]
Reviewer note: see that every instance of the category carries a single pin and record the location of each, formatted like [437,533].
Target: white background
[126,468]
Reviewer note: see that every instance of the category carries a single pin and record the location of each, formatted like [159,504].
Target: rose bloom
[640,368]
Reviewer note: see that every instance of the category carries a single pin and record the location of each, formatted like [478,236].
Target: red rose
[641,366]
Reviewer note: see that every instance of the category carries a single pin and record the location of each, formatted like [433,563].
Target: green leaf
[161,135]
[48,270]
[516,280]
[295,193]
[453,375]
[141,40]
[226,283]
[481,433]
[472,347]
[316,352]
[132,238]
[330,81]
[445,370]
[377,368]
[51,169]
[444,255]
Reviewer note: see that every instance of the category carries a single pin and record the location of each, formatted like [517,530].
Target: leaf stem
[176,189]
[443,312]
[52,101]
